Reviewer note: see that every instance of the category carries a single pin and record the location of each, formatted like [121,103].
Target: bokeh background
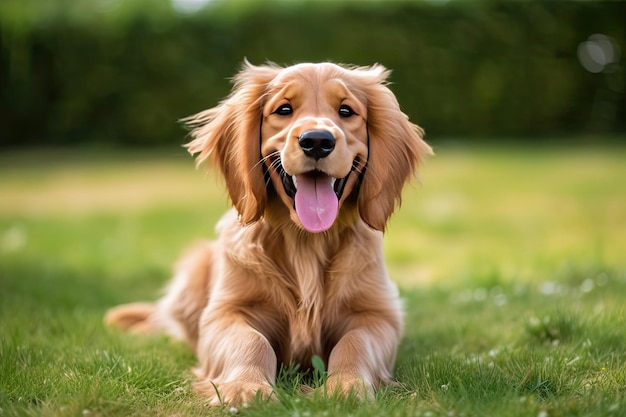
[124,71]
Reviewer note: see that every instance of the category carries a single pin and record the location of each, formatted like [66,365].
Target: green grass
[511,262]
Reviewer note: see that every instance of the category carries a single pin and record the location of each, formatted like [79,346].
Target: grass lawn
[512,263]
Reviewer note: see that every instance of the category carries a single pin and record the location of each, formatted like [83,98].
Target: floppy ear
[395,150]
[229,135]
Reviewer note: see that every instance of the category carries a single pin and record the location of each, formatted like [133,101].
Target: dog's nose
[317,144]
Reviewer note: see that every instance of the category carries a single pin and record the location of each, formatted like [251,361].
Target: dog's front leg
[364,357]
[237,363]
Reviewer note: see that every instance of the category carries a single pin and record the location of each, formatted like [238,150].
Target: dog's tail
[133,317]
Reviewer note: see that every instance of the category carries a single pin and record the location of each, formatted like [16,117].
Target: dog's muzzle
[316,195]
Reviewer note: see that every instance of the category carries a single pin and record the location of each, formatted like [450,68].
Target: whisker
[359,166]
[358,169]
[266,158]
[274,164]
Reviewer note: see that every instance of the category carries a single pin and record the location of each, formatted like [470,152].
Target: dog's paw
[348,386]
[234,392]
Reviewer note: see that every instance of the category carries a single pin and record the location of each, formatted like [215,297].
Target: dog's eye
[284,110]
[346,111]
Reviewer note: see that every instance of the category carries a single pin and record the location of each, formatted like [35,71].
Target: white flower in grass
[602,279]
[550,288]
[587,286]
[573,361]
[480,294]
[500,299]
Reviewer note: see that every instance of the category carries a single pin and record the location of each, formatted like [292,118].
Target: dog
[314,157]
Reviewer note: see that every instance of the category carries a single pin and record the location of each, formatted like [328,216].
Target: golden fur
[269,291]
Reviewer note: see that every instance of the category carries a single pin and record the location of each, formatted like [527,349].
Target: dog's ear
[396,148]
[229,136]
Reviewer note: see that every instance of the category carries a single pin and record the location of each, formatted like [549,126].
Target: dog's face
[314,141]
[319,135]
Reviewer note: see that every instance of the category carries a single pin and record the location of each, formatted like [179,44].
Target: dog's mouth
[316,195]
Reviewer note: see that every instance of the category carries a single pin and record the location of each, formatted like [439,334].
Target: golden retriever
[314,157]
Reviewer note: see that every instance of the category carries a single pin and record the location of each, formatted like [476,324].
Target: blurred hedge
[124,71]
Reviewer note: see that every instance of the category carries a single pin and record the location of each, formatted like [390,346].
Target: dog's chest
[307,309]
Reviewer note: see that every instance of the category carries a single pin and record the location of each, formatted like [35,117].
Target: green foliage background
[123,72]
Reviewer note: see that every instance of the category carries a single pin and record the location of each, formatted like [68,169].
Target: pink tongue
[316,202]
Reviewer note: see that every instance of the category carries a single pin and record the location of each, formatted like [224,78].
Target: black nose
[317,144]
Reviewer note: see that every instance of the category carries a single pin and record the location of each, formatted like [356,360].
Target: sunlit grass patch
[510,264]
[522,214]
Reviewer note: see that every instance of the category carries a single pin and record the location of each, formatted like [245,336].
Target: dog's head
[324,139]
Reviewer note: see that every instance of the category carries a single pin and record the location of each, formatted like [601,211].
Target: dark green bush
[73,72]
